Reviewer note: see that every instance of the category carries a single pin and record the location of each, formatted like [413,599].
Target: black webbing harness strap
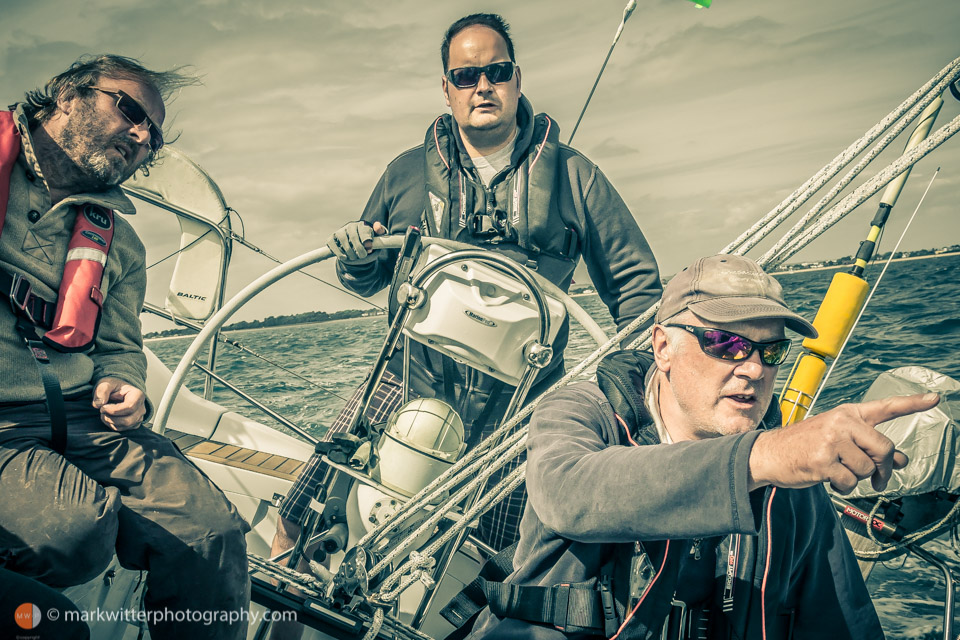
[33,311]
[51,386]
[570,607]
[466,605]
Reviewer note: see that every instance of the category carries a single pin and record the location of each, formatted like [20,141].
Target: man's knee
[74,546]
[215,533]
[287,533]
[227,536]
[217,536]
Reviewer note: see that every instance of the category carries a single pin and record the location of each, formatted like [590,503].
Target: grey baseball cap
[727,288]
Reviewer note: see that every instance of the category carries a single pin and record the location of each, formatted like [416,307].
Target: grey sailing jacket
[34,244]
[591,495]
[580,199]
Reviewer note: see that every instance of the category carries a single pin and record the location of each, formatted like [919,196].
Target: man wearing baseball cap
[668,497]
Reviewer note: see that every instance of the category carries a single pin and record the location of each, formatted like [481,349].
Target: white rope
[375,625]
[429,523]
[792,202]
[309,585]
[773,254]
[441,488]
[869,188]
[866,302]
[305,582]
[415,567]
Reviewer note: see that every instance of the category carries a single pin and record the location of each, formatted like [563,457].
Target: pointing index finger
[876,412]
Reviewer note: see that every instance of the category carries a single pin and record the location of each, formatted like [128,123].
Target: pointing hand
[840,446]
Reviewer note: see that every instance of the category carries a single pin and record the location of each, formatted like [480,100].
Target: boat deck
[234,456]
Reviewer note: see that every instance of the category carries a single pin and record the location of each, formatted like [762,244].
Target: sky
[705,118]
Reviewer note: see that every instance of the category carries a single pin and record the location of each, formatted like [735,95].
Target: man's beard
[85,142]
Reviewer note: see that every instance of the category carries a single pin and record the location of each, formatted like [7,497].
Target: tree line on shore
[880,257]
[322,316]
[276,321]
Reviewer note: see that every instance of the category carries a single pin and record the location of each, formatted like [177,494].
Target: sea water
[913,319]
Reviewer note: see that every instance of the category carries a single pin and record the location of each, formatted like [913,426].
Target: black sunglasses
[726,345]
[466,77]
[136,114]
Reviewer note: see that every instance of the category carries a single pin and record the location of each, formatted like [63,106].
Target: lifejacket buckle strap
[24,302]
[687,623]
[483,226]
[19,294]
[51,386]
[610,621]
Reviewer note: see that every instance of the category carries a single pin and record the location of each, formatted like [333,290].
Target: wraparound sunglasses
[135,114]
[466,77]
[726,345]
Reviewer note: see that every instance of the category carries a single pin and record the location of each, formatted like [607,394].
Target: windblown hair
[40,104]
[492,20]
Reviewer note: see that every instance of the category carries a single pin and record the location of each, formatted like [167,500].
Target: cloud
[704,120]
[610,148]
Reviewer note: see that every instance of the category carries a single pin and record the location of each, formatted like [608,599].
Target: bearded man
[81,477]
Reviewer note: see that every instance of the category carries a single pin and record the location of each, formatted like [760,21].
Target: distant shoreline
[230,332]
[842,266]
[574,295]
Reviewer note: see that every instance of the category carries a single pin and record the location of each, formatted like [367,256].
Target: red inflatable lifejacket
[80,301]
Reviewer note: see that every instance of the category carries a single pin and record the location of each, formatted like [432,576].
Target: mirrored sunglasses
[466,77]
[726,345]
[135,114]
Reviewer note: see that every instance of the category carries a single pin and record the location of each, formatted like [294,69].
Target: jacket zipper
[766,544]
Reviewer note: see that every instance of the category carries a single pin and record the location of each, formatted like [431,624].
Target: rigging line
[243,225]
[282,368]
[866,302]
[865,191]
[249,245]
[241,238]
[810,218]
[193,242]
[924,121]
[948,74]
[258,405]
[180,250]
[631,5]
[234,343]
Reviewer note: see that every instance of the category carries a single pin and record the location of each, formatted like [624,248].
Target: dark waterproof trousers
[62,517]
[29,609]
